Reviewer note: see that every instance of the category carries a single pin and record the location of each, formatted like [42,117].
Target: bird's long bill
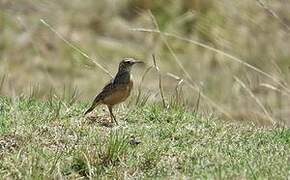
[138,61]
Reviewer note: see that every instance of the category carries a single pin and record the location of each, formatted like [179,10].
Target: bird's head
[127,63]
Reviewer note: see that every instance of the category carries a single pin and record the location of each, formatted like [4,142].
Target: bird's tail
[91,108]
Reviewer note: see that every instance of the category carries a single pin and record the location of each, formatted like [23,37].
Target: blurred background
[34,61]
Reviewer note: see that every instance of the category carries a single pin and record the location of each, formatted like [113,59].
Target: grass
[211,107]
[50,139]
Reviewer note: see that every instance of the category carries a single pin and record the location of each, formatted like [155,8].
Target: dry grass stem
[76,48]
[2,81]
[190,81]
[205,97]
[256,100]
[178,89]
[164,40]
[273,13]
[196,108]
[159,81]
[269,86]
[277,81]
[140,84]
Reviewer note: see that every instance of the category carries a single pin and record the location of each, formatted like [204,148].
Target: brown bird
[118,89]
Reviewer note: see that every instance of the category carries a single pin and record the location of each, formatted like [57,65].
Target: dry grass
[192,39]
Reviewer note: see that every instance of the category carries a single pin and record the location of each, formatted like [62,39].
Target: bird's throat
[123,77]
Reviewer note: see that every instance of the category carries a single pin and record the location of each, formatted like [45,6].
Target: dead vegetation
[232,57]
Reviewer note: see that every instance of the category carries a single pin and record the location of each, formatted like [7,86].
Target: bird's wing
[109,89]
[101,95]
[105,91]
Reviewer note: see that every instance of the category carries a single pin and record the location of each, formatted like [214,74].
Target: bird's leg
[112,115]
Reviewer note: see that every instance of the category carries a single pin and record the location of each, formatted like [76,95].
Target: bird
[118,89]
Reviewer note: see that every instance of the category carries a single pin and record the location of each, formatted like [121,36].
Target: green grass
[50,139]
